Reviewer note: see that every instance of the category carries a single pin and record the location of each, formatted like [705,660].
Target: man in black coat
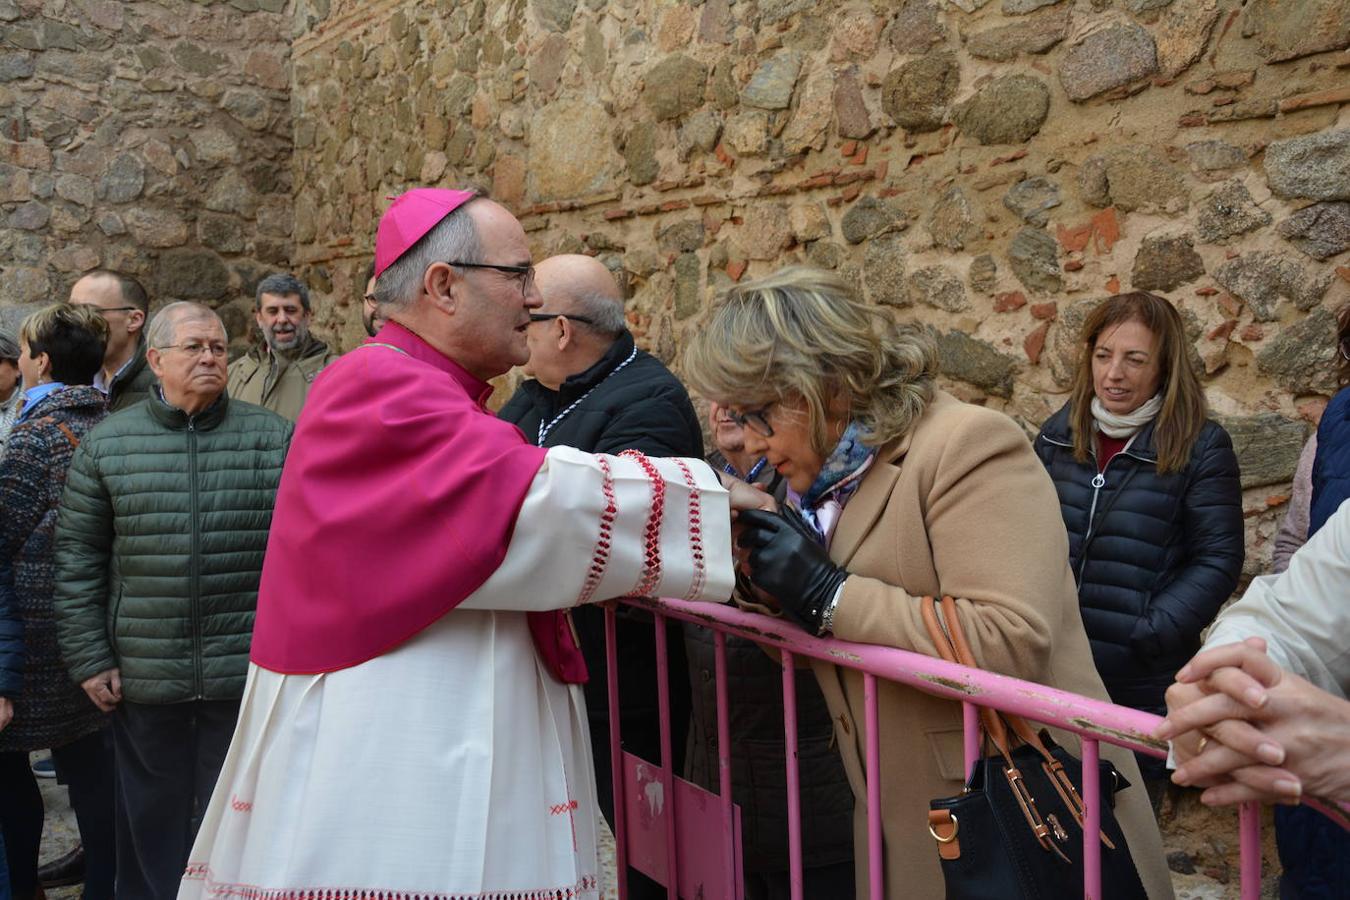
[591,388]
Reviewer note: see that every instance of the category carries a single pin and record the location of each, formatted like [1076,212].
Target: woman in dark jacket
[1148,487]
[62,348]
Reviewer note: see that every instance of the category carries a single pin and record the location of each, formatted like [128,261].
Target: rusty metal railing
[1094,721]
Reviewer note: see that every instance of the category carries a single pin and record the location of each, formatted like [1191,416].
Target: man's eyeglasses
[104,310]
[196,349]
[756,420]
[548,317]
[524,273]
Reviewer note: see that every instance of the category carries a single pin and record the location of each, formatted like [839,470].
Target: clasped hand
[1244,729]
[104,689]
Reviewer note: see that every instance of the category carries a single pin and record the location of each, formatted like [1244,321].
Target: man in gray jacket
[125,306]
[159,552]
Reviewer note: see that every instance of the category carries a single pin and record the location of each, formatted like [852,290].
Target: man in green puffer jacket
[159,551]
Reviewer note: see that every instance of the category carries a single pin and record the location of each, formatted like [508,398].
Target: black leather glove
[786,561]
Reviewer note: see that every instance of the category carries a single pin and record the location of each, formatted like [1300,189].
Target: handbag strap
[989,718]
[966,657]
[64,429]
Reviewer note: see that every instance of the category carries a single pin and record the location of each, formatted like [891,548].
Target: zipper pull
[1099,481]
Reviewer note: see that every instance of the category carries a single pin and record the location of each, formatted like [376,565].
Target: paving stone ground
[60,835]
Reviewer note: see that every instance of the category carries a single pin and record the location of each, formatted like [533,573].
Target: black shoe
[63,870]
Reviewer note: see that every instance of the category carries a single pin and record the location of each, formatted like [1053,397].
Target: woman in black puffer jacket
[1148,487]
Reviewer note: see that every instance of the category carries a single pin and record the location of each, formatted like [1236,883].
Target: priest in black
[593,389]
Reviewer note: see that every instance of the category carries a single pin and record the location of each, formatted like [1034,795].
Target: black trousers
[168,759]
[85,766]
[1315,853]
[833,882]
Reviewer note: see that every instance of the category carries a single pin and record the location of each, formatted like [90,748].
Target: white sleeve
[583,531]
[1304,612]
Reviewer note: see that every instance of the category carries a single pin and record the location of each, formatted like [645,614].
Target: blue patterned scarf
[837,482]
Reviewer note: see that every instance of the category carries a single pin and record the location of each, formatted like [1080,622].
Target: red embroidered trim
[600,560]
[240,805]
[695,531]
[651,569]
[558,809]
[200,871]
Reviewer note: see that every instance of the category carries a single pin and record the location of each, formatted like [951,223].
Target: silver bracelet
[827,618]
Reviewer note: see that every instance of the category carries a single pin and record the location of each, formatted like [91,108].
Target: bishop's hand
[746,496]
[787,562]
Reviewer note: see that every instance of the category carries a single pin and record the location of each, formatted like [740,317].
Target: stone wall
[989,168]
[152,137]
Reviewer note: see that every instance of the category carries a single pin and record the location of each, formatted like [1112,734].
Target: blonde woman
[906,492]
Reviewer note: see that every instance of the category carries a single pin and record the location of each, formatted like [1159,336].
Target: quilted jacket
[1155,555]
[160,543]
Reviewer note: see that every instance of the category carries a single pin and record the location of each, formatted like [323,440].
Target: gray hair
[281,284]
[454,237]
[164,326]
[9,348]
[605,313]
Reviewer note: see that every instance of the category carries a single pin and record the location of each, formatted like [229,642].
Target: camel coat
[959,506]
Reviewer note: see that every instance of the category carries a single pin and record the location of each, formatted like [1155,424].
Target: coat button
[707,676]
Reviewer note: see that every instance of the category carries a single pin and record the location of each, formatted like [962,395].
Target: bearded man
[277,374]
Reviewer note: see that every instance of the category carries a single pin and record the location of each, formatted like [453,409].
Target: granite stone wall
[989,167]
[150,136]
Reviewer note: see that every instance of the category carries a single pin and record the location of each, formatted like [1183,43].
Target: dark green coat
[132,384]
[159,547]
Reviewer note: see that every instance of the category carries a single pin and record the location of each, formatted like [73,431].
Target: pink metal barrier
[1093,720]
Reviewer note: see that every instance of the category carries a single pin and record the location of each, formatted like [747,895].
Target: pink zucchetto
[411,215]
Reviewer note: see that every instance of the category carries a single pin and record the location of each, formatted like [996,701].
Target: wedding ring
[1200,748]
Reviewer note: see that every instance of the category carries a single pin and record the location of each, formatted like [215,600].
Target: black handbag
[1017,828]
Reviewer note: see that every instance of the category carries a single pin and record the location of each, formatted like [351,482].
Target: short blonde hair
[73,337]
[801,333]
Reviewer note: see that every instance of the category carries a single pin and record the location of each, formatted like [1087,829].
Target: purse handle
[993,725]
[950,637]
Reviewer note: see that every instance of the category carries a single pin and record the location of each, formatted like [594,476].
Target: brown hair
[72,336]
[1184,409]
[1343,344]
